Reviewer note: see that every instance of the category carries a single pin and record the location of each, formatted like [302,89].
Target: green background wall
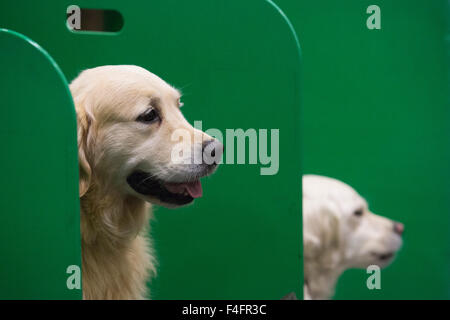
[376,115]
[39,203]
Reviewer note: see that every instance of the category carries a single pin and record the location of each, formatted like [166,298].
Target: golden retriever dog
[129,124]
[339,233]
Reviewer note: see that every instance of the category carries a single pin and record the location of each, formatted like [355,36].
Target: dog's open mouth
[384,256]
[173,193]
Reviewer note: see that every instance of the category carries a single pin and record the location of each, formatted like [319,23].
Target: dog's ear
[320,231]
[84,123]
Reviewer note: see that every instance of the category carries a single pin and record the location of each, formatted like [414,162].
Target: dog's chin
[157,191]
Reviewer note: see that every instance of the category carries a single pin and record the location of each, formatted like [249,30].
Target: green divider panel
[238,64]
[376,115]
[39,205]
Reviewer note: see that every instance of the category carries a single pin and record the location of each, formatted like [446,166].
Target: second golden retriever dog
[339,233]
[129,124]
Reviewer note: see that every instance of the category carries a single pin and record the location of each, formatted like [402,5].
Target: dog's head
[134,140]
[338,223]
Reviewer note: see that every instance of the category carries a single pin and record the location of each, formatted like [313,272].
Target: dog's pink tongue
[194,189]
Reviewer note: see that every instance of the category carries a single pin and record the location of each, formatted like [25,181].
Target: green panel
[39,205]
[376,115]
[238,64]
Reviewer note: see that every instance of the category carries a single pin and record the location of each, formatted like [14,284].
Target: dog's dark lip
[384,256]
[143,183]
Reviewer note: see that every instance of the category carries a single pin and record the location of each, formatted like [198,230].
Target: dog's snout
[399,228]
[213,148]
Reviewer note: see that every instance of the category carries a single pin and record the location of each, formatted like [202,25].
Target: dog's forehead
[141,81]
[121,91]
[126,81]
[320,187]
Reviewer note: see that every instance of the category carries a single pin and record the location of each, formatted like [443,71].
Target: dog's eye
[148,116]
[358,212]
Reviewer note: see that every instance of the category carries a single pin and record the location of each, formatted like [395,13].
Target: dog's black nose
[399,228]
[212,151]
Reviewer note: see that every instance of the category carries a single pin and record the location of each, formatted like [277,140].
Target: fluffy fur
[117,255]
[339,232]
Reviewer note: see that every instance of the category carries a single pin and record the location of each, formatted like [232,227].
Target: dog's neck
[117,256]
[110,218]
[321,274]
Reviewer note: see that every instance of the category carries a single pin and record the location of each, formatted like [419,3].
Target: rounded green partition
[376,115]
[39,205]
[238,66]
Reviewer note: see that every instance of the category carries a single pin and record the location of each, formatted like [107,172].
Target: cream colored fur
[335,238]
[117,255]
